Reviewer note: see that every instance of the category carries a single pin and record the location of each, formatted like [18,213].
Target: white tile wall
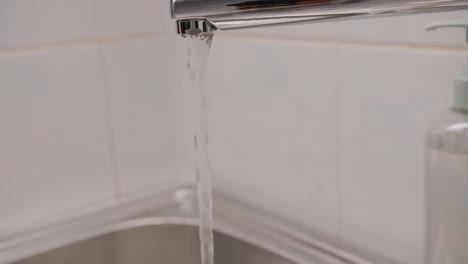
[407,30]
[318,31]
[142,113]
[120,17]
[265,142]
[390,78]
[53,151]
[322,124]
[79,81]
[31,22]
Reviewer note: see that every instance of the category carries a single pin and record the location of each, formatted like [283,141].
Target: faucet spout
[235,14]
[194,26]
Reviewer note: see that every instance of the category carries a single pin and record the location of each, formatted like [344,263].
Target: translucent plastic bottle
[447,191]
[447,177]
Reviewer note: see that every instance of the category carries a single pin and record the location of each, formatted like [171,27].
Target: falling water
[198,47]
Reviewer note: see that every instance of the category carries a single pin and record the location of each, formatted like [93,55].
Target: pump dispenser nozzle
[460,92]
[461,23]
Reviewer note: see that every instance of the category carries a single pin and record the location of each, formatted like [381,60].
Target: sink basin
[161,226]
[155,244]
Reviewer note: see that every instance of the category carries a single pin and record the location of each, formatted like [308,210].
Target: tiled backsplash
[323,123]
[86,108]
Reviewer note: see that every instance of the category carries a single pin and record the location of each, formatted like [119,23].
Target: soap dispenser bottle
[447,176]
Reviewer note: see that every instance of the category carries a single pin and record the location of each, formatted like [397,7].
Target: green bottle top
[460,92]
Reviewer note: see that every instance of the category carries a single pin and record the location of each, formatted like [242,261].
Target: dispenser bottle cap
[461,81]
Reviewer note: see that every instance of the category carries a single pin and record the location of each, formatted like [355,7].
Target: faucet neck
[234,14]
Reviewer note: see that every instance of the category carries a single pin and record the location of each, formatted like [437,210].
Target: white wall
[86,111]
[323,123]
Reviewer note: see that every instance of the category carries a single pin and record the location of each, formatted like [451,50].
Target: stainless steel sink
[160,226]
[154,244]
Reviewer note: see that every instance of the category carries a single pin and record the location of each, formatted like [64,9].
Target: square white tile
[120,17]
[388,98]
[404,30]
[53,147]
[29,22]
[272,125]
[142,113]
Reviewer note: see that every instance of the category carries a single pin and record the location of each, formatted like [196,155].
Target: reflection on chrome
[234,14]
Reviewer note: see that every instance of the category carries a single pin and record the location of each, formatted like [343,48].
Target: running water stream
[198,47]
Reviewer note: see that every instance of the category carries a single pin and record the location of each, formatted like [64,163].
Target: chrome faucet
[197,16]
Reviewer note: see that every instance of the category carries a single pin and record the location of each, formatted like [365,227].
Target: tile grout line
[150,35]
[78,42]
[338,101]
[375,44]
[112,147]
